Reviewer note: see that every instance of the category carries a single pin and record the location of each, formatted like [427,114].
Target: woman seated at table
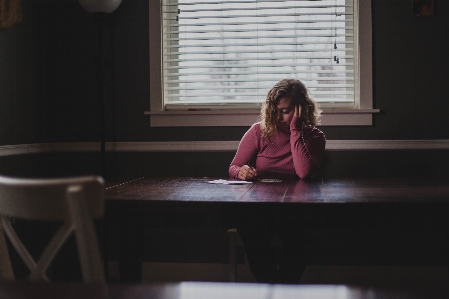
[285,143]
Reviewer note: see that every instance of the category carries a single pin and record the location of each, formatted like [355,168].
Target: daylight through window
[219,52]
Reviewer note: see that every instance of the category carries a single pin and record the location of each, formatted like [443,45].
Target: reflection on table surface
[310,191]
[201,290]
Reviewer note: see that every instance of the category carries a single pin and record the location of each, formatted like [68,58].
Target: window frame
[360,115]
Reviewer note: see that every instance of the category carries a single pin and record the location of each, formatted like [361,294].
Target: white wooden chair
[76,202]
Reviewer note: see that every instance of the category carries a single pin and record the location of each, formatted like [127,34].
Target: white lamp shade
[106,6]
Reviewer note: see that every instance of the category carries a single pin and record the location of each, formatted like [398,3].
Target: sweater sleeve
[246,152]
[307,146]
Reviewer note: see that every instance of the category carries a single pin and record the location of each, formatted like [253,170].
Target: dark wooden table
[195,290]
[352,221]
[343,190]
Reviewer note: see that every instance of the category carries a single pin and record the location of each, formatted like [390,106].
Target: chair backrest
[76,202]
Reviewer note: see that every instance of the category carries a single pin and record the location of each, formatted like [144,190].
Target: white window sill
[245,118]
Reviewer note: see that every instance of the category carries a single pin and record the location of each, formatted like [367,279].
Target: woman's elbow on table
[307,171]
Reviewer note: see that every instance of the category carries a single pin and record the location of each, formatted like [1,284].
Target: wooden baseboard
[213,146]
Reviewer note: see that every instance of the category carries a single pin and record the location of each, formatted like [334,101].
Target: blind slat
[181,18]
[258,59]
[247,88]
[259,73]
[216,95]
[269,79]
[255,51]
[228,9]
[228,23]
[192,3]
[208,66]
[268,29]
[276,36]
[256,44]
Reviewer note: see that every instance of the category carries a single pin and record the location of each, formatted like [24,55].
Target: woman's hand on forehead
[298,110]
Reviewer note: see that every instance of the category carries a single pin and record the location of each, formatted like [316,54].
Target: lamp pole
[100,17]
[100,9]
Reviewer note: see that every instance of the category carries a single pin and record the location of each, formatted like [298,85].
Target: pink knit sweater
[296,153]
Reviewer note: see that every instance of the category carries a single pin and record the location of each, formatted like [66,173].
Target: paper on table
[270,180]
[237,182]
[225,182]
[217,182]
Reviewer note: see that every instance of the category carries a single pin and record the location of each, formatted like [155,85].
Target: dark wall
[47,75]
[410,74]
[49,87]
[20,113]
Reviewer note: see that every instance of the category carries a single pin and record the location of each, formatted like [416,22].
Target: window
[218,58]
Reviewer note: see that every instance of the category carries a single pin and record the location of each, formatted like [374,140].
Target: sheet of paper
[237,182]
[226,182]
[270,180]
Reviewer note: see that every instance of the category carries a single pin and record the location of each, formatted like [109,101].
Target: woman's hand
[298,110]
[297,113]
[247,173]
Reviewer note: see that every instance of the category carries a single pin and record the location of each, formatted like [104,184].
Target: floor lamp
[100,9]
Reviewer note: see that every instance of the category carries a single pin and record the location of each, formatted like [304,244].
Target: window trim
[360,115]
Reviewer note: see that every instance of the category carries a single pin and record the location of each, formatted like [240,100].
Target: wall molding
[212,146]
[23,149]
[432,144]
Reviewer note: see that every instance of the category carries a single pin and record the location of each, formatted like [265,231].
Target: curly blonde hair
[298,92]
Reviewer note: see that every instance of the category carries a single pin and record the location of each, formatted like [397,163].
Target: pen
[251,167]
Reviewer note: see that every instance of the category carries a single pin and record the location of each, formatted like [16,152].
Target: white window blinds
[219,52]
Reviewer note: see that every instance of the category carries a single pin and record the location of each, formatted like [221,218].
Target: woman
[285,143]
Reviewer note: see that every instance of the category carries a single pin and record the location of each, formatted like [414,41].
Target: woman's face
[284,112]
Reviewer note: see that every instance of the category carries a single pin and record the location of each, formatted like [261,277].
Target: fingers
[247,173]
[251,173]
[298,110]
